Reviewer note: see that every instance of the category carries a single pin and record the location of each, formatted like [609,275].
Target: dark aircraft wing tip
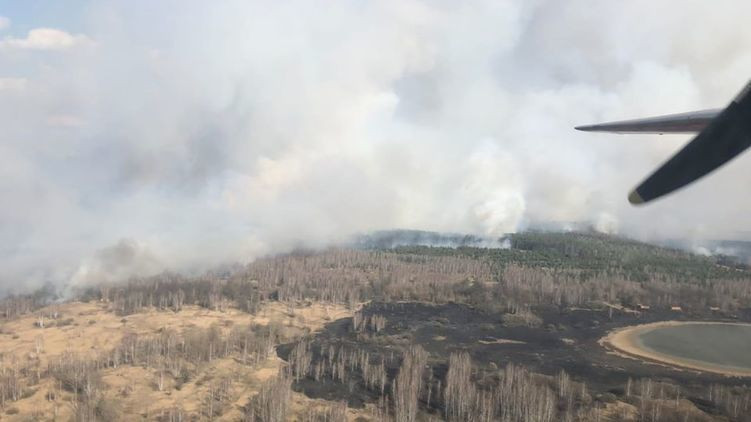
[634,198]
[600,127]
[691,122]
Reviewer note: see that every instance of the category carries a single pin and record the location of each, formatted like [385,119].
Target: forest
[374,359]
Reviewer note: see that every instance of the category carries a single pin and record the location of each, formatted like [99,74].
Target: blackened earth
[566,340]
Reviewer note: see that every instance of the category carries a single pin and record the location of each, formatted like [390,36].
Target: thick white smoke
[185,134]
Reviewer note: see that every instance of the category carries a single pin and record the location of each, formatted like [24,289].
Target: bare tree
[460,392]
[272,402]
[408,384]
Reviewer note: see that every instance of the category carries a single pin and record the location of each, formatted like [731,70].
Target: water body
[712,345]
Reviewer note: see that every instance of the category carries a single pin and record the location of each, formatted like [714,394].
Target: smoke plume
[182,134]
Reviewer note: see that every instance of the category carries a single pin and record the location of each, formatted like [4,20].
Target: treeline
[519,285]
[171,292]
[174,359]
[405,384]
[595,253]
[349,277]
[15,305]
[658,400]
[560,269]
[272,404]
[171,352]
[335,276]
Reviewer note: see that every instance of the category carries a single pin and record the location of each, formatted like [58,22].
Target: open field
[85,330]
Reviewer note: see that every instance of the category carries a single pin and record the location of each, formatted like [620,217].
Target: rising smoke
[182,135]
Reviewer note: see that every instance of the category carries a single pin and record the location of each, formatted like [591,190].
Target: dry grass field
[132,392]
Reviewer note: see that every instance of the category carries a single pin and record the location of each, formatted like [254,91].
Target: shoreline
[624,342]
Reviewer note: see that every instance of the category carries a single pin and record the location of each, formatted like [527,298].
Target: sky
[142,136]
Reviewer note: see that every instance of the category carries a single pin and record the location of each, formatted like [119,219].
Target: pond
[715,345]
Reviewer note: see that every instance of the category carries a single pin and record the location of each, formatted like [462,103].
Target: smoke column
[144,136]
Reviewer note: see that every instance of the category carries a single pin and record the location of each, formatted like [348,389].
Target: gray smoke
[181,135]
[390,239]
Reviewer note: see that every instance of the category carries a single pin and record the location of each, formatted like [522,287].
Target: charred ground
[563,340]
[550,299]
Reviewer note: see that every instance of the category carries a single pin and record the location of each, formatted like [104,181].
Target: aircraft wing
[725,136]
[692,122]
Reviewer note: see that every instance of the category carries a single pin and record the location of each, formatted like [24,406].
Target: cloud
[65,120]
[237,129]
[46,39]
[13,84]
[4,22]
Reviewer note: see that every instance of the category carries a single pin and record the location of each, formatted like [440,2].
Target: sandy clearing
[87,329]
[300,403]
[91,328]
[502,341]
[619,411]
[624,342]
